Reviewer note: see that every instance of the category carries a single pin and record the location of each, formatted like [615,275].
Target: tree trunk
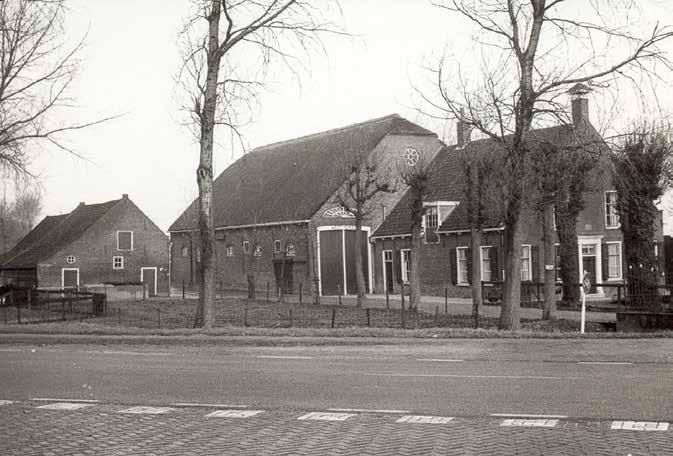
[415,269]
[477,298]
[359,274]
[204,176]
[566,228]
[511,296]
[549,291]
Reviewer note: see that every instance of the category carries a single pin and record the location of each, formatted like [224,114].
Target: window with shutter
[486,264]
[461,263]
[525,263]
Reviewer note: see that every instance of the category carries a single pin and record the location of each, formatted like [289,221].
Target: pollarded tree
[229,46]
[367,180]
[642,173]
[533,51]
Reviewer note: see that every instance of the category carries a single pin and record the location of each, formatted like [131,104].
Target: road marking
[609,363]
[283,357]
[527,415]
[366,410]
[50,399]
[145,410]
[516,377]
[439,360]
[528,423]
[190,404]
[115,352]
[639,425]
[65,406]
[421,419]
[234,413]
[325,416]
[5,402]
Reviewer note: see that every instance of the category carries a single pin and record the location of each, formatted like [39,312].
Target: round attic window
[70,259]
[411,156]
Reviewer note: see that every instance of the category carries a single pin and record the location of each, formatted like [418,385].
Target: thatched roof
[291,180]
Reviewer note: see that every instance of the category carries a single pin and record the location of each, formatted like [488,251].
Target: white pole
[584,311]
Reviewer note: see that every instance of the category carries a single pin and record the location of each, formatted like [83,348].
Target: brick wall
[94,250]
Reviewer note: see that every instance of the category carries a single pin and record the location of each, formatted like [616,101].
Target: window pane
[124,240]
[486,264]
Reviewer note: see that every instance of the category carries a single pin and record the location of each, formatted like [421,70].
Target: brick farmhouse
[111,242]
[276,218]
[446,251]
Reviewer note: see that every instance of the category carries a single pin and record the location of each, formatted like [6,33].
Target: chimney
[580,104]
[463,131]
[125,195]
[82,203]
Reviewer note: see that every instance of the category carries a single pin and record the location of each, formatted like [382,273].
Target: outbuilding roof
[291,180]
[53,233]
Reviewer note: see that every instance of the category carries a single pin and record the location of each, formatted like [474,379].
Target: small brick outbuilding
[111,242]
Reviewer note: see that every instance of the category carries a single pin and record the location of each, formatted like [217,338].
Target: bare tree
[415,174]
[358,195]
[228,48]
[18,215]
[521,82]
[36,71]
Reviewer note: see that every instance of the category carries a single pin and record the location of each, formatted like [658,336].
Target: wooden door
[148,276]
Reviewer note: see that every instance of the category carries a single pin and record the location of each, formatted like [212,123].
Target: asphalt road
[593,379]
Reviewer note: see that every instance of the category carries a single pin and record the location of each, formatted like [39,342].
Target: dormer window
[125,240]
[436,212]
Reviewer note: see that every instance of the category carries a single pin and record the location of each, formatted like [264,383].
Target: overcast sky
[129,64]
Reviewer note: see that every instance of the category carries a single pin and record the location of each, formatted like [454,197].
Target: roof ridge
[327,132]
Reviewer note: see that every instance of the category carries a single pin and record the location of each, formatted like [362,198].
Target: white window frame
[481,258]
[184,251]
[435,207]
[68,259]
[557,264]
[246,247]
[530,262]
[156,276]
[277,246]
[229,251]
[460,280]
[605,206]
[132,240]
[619,263]
[405,264]
[114,259]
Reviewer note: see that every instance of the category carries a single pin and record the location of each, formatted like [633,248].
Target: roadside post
[586,288]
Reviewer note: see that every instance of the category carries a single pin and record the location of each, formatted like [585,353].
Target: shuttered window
[461,253]
[614,260]
[526,270]
[486,272]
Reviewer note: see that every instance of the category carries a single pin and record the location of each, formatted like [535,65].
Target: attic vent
[411,156]
[70,259]
[338,212]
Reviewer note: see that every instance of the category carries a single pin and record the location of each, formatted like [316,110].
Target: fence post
[245,317]
[119,315]
[63,307]
[267,291]
[4,314]
[436,314]
[183,288]
[368,320]
[402,316]
[30,298]
[333,316]
[619,295]
[387,299]
[18,308]
[159,317]
[339,293]
[291,316]
[446,298]
[300,292]
[144,289]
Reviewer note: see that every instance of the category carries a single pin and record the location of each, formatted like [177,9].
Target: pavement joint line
[51,399]
[193,404]
[439,360]
[367,410]
[526,415]
[283,357]
[117,352]
[513,377]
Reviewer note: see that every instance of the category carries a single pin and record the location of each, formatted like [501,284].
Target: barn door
[331,263]
[70,277]
[148,276]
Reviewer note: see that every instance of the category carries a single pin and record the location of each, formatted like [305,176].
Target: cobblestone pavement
[53,428]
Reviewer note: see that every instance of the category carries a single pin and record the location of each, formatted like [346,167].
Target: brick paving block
[518,422]
[326,416]
[639,425]
[145,410]
[65,406]
[234,413]
[422,419]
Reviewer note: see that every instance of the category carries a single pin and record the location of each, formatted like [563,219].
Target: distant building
[446,250]
[275,214]
[111,242]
